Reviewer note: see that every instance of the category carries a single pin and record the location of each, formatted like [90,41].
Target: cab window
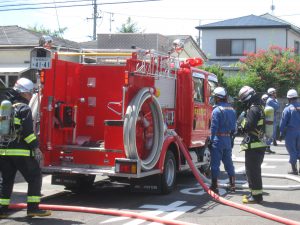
[212,85]
[198,89]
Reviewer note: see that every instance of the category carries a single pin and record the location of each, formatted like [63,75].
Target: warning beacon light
[194,62]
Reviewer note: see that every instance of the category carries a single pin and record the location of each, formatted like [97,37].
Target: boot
[232,184]
[33,210]
[4,212]
[252,199]
[268,150]
[214,185]
[275,142]
[294,170]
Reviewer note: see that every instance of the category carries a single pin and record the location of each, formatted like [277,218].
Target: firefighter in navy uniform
[223,126]
[253,127]
[22,154]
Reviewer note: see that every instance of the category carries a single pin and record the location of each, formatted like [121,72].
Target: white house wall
[14,56]
[264,38]
[292,37]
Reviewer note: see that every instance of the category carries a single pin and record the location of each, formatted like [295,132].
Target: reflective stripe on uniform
[30,138]
[14,152]
[243,123]
[252,145]
[260,122]
[256,192]
[17,121]
[33,199]
[4,201]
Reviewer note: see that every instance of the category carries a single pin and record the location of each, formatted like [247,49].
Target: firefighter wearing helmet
[22,153]
[264,98]
[272,101]
[290,126]
[223,124]
[252,126]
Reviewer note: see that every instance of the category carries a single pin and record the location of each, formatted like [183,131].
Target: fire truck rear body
[106,119]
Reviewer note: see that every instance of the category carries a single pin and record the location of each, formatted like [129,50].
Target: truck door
[200,113]
[212,84]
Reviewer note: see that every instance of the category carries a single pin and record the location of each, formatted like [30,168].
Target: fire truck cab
[115,114]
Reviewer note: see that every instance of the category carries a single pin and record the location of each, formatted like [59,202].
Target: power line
[67,6]
[183,18]
[43,3]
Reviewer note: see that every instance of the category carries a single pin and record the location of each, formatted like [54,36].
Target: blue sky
[166,17]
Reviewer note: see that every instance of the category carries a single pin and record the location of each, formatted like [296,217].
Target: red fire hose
[260,213]
[105,212]
[195,171]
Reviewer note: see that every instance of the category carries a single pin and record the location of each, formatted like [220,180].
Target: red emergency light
[194,62]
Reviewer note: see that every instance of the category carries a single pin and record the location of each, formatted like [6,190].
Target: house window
[296,46]
[235,47]
[8,80]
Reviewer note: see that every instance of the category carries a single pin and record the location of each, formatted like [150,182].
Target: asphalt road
[188,203]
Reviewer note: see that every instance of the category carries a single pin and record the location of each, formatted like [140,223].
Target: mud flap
[151,184]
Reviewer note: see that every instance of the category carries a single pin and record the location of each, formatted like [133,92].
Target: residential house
[16,44]
[225,42]
[154,41]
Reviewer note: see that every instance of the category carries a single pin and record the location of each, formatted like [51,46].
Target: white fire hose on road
[244,184]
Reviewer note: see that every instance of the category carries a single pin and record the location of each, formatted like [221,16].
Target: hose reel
[129,131]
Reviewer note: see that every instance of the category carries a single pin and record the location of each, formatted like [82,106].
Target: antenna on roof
[272,8]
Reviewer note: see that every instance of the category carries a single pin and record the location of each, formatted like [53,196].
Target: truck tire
[205,169]
[168,178]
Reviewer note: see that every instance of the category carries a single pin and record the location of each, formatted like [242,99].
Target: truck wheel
[83,183]
[168,178]
[206,158]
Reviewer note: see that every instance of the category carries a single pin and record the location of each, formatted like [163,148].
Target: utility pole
[272,8]
[95,17]
[111,19]
[95,20]
[200,36]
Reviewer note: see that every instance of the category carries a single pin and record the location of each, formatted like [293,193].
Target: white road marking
[175,209]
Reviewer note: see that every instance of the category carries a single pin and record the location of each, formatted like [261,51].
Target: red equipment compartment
[113,135]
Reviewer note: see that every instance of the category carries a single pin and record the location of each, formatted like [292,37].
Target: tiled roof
[139,40]
[250,21]
[18,36]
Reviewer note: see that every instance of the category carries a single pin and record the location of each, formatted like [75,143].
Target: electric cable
[76,5]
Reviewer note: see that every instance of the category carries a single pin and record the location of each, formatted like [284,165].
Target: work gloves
[38,155]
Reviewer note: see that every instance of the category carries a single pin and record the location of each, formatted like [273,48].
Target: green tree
[41,29]
[276,67]
[218,71]
[129,27]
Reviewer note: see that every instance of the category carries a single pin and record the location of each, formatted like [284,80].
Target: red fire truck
[115,114]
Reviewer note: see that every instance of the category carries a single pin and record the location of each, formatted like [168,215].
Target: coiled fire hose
[196,173]
[129,130]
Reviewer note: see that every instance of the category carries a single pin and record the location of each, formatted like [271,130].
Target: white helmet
[292,93]
[271,91]
[23,85]
[246,93]
[220,92]
[264,97]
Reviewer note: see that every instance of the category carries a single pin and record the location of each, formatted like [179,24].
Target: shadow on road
[281,205]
